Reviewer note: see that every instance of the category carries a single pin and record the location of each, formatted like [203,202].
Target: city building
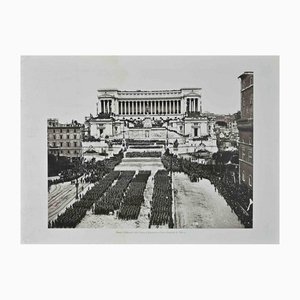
[245,127]
[65,139]
[227,133]
[160,115]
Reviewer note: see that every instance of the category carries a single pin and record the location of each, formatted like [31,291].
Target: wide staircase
[142,155]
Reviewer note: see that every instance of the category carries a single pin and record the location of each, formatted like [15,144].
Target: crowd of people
[91,171]
[161,204]
[111,200]
[73,215]
[144,154]
[134,197]
[236,195]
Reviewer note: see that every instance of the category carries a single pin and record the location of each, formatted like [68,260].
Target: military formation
[238,196]
[111,201]
[134,197]
[161,204]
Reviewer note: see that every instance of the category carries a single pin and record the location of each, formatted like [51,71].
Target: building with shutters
[65,139]
[245,127]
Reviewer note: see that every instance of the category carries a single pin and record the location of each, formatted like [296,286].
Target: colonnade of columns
[105,106]
[193,105]
[152,107]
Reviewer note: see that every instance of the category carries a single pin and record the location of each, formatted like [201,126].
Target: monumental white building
[158,115]
[154,103]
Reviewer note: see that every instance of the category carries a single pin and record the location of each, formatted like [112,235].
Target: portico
[154,103]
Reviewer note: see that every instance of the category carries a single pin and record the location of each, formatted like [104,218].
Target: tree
[57,164]
[237,115]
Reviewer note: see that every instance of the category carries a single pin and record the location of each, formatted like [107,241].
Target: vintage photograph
[145,143]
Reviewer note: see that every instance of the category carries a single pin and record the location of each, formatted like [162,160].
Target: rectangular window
[195,131]
[68,137]
[243,153]
[75,137]
[250,155]
[61,137]
[75,144]
[61,144]
[68,144]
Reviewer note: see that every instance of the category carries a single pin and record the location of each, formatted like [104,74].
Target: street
[61,196]
[198,205]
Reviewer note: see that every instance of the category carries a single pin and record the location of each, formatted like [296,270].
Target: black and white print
[149,143]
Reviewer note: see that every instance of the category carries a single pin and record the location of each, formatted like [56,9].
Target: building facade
[153,103]
[245,127]
[149,115]
[65,139]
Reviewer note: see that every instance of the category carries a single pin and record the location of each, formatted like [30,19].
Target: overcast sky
[67,86]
